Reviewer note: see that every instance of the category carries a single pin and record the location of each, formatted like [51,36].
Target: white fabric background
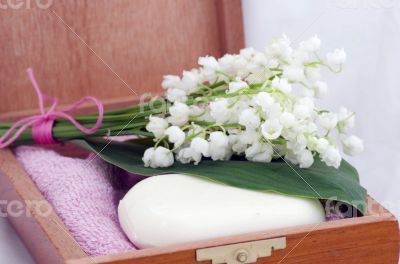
[369,30]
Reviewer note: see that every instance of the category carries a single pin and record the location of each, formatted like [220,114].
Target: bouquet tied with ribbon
[249,120]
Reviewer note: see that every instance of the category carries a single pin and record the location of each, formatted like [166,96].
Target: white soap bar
[171,209]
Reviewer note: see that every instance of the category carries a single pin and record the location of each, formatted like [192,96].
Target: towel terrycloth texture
[84,193]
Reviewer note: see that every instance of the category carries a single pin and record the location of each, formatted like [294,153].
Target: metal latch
[241,253]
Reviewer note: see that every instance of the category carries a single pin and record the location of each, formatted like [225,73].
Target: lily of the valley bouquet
[249,120]
[260,105]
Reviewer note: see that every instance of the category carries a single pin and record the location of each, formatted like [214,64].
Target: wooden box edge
[48,239]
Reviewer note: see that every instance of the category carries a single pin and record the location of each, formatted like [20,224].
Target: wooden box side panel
[369,240]
[33,218]
[109,49]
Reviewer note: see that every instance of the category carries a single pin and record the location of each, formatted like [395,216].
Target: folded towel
[84,193]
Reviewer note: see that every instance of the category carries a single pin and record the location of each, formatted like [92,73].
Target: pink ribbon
[42,124]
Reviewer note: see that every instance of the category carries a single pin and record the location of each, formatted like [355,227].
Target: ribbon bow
[42,124]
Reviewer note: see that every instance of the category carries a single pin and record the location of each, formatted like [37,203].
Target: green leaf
[319,181]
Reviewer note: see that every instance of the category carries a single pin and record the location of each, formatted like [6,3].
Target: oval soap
[171,209]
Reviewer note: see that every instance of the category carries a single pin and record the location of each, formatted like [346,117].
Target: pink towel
[84,193]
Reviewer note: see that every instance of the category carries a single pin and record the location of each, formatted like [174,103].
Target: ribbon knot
[42,124]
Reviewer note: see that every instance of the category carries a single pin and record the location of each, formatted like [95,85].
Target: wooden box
[117,51]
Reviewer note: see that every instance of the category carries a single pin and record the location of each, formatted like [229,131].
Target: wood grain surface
[230,22]
[372,239]
[109,48]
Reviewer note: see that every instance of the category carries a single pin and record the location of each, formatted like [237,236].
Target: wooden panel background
[108,48]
